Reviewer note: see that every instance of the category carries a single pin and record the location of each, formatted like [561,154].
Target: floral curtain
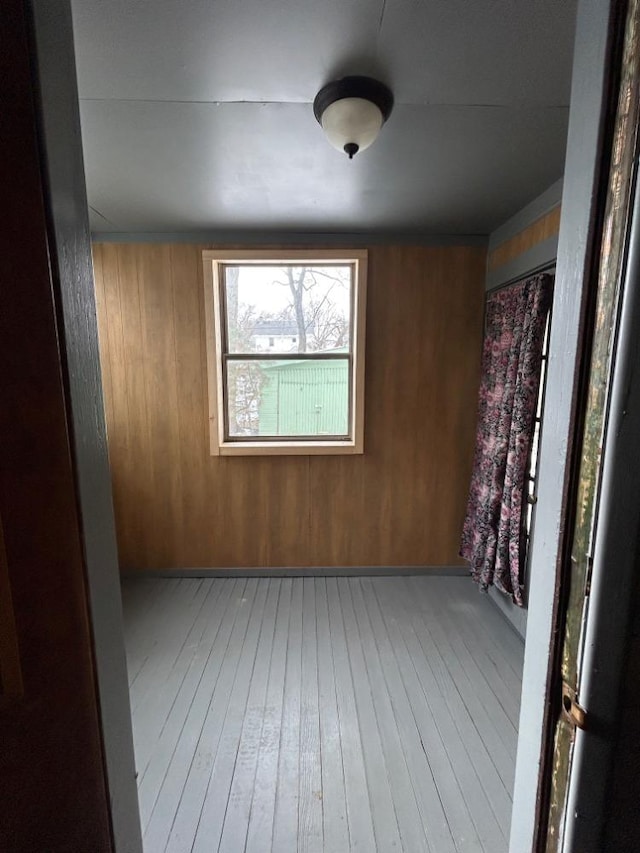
[493,539]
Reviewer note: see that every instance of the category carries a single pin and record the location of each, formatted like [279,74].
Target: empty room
[291,346]
[342,410]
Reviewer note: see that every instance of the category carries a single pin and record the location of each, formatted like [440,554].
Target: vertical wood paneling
[161,396]
[401,503]
[103,332]
[193,537]
[114,380]
[406,496]
[133,486]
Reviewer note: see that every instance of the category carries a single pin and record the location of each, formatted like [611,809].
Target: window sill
[289,448]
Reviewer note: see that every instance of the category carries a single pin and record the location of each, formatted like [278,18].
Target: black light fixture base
[351,149]
[354,87]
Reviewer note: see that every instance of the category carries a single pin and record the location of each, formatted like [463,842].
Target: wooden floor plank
[490,661]
[187,713]
[175,817]
[140,642]
[385,819]
[334,804]
[454,720]
[167,635]
[448,825]
[485,832]
[431,717]
[361,833]
[171,636]
[320,714]
[499,631]
[310,834]
[285,823]
[162,691]
[413,832]
[498,639]
[459,690]
[459,660]
[243,778]
[227,743]
[263,804]
[137,597]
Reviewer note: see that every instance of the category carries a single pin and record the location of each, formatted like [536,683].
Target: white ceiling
[196,115]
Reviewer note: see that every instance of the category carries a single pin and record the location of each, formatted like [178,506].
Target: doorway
[535,672]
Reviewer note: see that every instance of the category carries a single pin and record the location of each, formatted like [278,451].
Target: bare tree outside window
[320,322]
[282,310]
[244,388]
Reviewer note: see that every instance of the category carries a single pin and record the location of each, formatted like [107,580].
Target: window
[285,351]
[533,469]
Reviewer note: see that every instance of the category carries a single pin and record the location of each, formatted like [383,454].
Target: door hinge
[572,711]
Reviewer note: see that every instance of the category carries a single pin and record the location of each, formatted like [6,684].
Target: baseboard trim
[313,572]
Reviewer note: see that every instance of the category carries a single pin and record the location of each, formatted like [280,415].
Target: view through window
[288,333]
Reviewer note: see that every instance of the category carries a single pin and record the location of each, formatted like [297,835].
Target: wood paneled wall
[539,231]
[401,503]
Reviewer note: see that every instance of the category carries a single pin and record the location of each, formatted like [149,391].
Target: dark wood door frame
[67,777]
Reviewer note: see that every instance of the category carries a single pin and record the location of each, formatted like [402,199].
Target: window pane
[545,342]
[527,524]
[543,373]
[287,309]
[288,398]
[535,443]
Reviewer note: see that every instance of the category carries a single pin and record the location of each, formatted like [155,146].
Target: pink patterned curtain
[493,533]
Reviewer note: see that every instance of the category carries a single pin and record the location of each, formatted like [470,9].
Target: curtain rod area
[548,267]
[539,258]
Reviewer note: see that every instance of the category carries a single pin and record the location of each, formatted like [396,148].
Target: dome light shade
[351,112]
[351,121]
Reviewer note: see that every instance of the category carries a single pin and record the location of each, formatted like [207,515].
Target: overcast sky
[255,287]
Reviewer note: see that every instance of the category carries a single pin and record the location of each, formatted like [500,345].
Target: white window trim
[221,446]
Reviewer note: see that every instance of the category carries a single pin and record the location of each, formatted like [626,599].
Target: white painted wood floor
[368,714]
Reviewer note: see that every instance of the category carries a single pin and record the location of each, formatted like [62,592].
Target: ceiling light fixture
[351,112]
